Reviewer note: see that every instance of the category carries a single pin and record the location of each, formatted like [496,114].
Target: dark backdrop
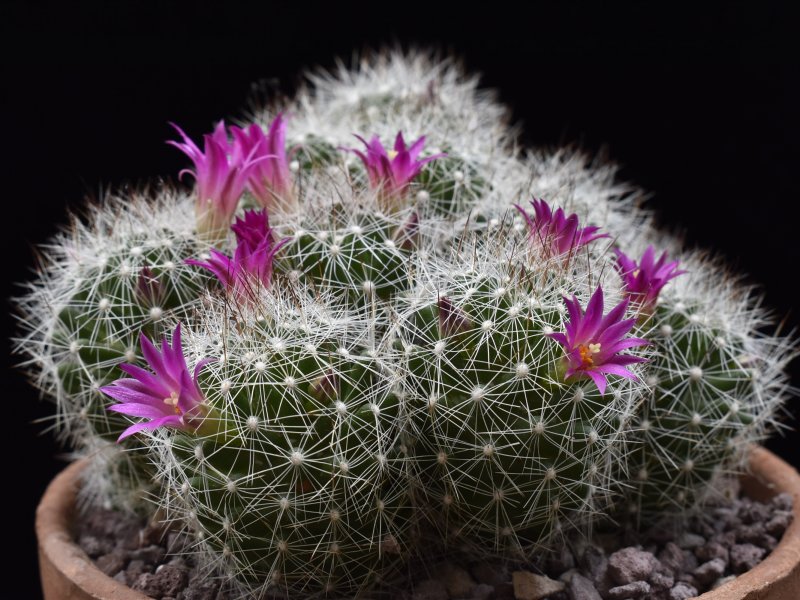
[700,108]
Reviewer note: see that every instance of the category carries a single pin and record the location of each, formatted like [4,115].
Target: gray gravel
[660,565]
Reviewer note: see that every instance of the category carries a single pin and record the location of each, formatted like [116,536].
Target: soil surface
[662,564]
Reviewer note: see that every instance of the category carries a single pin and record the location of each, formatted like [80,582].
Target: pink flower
[270,181]
[168,396]
[643,282]
[593,343]
[391,172]
[253,258]
[554,231]
[221,171]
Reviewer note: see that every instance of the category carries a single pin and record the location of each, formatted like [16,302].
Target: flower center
[173,400]
[586,352]
[391,154]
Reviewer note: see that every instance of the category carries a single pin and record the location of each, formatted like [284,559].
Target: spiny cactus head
[299,487]
[512,450]
[716,383]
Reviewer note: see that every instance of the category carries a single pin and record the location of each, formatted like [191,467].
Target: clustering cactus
[370,350]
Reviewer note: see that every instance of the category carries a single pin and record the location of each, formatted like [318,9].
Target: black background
[699,106]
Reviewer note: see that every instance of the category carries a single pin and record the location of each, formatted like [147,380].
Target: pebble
[567,575]
[148,584]
[529,586]
[135,569]
[690,541]
[201,588]
[753,512]
[727,539]
[710,571]
[594,562]
[457,581]
[778,523]
[671,557]
[682,591]
[745,556]
[661,581]
[171,579]
[630,564]
[710,551]
[782,501]
[150,554]
[111,563]
[482,591]
[689,561]
[635,589]
[580,588]
[94,546]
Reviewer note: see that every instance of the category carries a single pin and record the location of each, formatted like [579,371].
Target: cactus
[118,276]
[109,280]
[296,486]
[395,351]
[717,383]
[511,453]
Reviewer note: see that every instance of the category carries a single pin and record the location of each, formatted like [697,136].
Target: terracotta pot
[778,576]
[68,574]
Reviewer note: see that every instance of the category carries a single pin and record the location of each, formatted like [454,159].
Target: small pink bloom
[221,171]
[390,172]
[168,396]
[593,342]
[270,181]
[556,232]
[253,257]
[643,282]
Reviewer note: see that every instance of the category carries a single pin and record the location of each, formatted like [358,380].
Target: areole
[68,574]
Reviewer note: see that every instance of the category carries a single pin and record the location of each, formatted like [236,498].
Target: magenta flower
[593,342]
[390,172]
[221,171]
[253,258]
[643,282]
[169,396]
[557,233]
[270,181]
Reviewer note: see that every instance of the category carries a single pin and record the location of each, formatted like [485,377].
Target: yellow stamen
[391,154]
[173,400]
[586,353]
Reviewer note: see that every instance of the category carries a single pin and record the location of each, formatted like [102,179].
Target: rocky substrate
[661,565]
